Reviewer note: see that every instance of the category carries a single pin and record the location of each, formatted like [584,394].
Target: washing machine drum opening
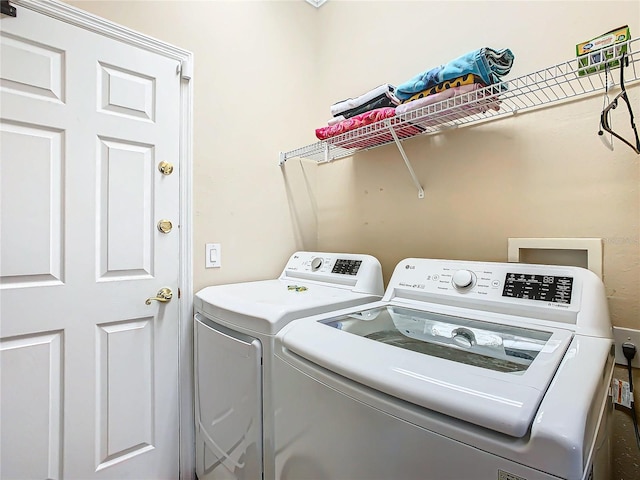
[495,347]
[493,375]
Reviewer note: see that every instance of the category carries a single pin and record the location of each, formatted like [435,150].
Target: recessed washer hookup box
[593,53]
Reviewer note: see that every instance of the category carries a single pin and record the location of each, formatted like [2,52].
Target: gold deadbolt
[165,226]
[163,296]
[165,168]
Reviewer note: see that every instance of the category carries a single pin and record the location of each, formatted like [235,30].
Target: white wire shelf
[553,85]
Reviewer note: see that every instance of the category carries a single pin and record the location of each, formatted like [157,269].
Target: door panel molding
[34,392]
[47,66]
[125,363]
[126,93]
[40,177]
[125,191]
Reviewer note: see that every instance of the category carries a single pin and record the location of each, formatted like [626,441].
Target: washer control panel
[545,291]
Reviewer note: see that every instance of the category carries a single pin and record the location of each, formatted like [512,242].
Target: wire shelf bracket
[550,86]
[414,177]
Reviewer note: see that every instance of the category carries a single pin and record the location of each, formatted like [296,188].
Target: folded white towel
[351,103]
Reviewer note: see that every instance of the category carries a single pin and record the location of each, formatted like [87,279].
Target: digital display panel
[546,288]
[347,267]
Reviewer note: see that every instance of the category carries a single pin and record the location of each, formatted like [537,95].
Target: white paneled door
[89,371]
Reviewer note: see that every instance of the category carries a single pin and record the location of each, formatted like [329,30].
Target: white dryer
[464,370]
[234,331]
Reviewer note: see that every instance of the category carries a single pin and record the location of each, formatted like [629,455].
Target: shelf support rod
[407,163]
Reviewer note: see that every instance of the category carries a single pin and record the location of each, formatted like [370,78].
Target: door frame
[184,65]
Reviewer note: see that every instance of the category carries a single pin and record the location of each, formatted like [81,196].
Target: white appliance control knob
[316,263]
[463,279]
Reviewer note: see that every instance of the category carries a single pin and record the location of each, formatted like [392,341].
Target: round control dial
[463,279]
[316,263]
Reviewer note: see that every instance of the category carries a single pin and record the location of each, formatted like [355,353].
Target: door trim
[184,65]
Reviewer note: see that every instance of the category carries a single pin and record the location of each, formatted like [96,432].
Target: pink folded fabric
[358,121]
[444,95]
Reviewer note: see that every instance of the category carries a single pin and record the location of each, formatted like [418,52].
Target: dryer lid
[490,374]
[266,306]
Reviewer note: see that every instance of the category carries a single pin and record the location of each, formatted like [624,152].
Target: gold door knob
[163,296]
[165,226]
[165,168]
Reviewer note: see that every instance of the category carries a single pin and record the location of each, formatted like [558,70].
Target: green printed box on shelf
[592,55]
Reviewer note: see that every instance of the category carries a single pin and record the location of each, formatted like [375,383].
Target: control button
[495,283]
[316,263]
[463,279]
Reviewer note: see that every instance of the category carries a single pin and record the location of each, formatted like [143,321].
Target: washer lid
[489,374]
[266,306]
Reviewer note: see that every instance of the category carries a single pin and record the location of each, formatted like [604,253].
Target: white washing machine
[234,332]
[464,370]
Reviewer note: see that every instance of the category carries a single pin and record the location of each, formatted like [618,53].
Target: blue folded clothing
[487,63]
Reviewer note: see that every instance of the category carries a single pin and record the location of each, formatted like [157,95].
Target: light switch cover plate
[213,255]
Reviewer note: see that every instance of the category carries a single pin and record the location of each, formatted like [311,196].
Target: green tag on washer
[297,288]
